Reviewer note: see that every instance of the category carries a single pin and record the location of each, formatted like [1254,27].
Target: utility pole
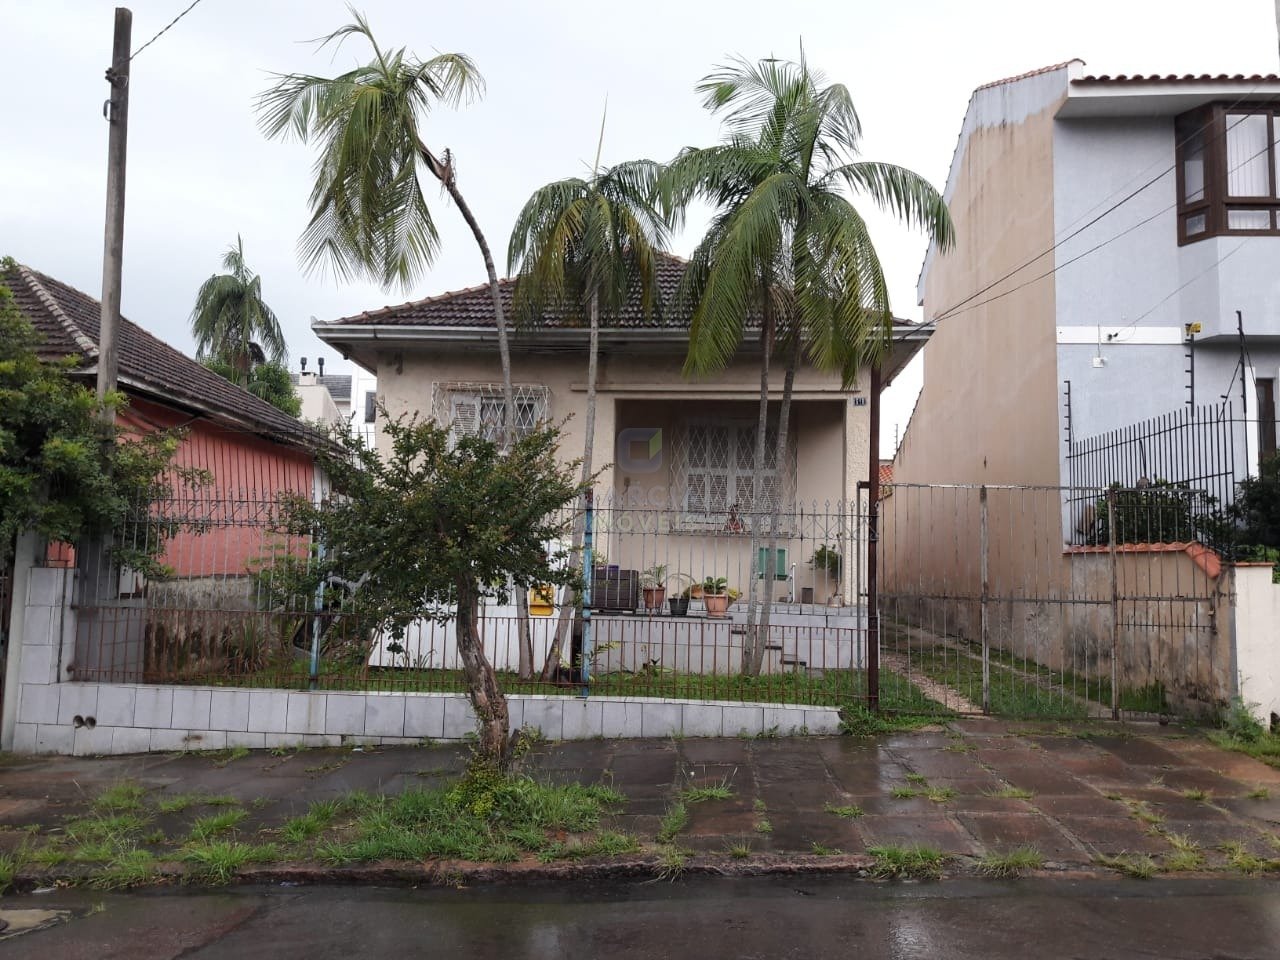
[116,111]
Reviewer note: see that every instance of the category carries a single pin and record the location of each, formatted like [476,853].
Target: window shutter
[464,415]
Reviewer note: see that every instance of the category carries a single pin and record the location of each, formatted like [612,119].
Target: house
[338,398]
[250,453]
[1115,270]
[674,492]
[1110,313]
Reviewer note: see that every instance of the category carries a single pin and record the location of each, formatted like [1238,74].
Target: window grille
[712,474]
[476,409]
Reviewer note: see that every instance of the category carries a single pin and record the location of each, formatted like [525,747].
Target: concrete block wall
[44,713]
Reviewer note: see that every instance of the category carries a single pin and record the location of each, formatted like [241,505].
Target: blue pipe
[589,570]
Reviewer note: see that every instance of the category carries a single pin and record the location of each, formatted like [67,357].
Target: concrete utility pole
[116,110]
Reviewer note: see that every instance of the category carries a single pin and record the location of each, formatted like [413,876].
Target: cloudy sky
[200,172]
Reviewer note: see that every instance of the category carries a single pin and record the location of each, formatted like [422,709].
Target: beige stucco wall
[647,390]
[317,403]
[988,410]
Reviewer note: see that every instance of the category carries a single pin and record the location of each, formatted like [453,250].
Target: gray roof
[338,384]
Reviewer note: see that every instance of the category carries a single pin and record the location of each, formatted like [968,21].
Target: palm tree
[232,323]
[788,247]
[369,214]
[583,247]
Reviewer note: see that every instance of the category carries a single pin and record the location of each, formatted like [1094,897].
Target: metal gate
[1049,602]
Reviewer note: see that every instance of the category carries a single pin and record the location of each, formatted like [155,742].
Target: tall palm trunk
[752,640]
[569,603]
[444,173]
[775,512]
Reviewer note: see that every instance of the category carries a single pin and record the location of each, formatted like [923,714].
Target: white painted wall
[1256,626]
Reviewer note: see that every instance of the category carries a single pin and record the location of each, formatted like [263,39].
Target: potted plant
[828,560]
[653,583]
[715,595]
[680,602]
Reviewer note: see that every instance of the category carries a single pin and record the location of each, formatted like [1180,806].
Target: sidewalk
[973,789]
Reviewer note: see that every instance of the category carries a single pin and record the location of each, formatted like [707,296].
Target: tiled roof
[1257,78]
[68,321]
[473,307]
[338,384]
[1031,73]
[886,471]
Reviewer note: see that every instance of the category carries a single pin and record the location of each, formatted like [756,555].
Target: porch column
[605,442]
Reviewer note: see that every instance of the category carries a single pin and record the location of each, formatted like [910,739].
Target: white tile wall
[135,717]
[229,710]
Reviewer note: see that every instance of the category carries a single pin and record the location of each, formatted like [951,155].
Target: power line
[965,306]
[954,309]
[164,30]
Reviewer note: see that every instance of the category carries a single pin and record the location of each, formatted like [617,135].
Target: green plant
[1138,866]
[917,778]
[906,793]
[1009,793]
[1012,863]
[1246,861]
[654,578]
[217,862]
[848,811]
[671,863]
[1198,796]
[1259,793]
[827,559]
[895,863]
[675,820]
[821,850]
[763,825]
[206,828]
[1240,723]
[718,791]
[119,798]
[715,586]
[10,863]
[129,868]
[740,850]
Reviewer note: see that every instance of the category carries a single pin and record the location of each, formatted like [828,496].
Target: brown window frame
[1211,122]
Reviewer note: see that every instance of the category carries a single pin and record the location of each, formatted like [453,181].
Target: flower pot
[653,599]
[717,604]
[679,606]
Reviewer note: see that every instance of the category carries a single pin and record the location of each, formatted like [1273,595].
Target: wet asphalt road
[773,918]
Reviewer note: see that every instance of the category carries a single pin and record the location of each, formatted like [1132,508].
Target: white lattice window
[713,471]
[476,409]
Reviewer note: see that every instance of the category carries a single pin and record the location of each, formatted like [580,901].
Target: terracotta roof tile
[473,307]
[68,321]
[1257,78]
[1030,73]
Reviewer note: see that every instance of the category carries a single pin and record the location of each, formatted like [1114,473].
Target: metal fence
[986,607]
[228,613]
[1185,464]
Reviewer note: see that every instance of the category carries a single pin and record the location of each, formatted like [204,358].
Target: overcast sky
[199,171]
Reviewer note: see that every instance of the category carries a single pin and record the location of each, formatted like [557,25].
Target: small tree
[267,381]
[434,527]
[64,472]
[233,323]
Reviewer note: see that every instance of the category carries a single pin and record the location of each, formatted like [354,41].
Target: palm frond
[902,192]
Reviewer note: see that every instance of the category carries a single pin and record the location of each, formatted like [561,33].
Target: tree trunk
[482,683]
[444,172]
[751,639]
[569,603]
[775,513]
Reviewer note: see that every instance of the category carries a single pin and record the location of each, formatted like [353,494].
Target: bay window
[1228,168]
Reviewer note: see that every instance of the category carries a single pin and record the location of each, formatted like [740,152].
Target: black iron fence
[1178,473]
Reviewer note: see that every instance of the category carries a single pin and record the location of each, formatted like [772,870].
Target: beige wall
[988,411]
[317,402]
[830,439]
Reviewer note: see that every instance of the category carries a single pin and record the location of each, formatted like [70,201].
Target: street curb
[461,874]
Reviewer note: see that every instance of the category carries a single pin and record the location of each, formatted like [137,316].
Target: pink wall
[248,474]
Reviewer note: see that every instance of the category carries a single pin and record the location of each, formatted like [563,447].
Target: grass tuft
[717,791]
[1009,793]
[671,863]
[849,811]
[1013,863]
[218,861]
[675,820]
[899,863]
[122,797]
[206,828]
[1138,866]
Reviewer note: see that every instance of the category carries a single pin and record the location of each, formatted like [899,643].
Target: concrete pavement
[969,790]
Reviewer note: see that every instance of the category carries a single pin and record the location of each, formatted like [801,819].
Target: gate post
[1115,604]
[983,621]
